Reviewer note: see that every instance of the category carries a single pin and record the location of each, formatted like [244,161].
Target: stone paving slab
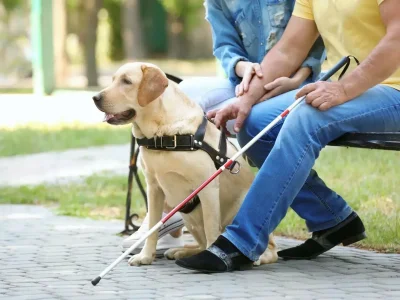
[45,256]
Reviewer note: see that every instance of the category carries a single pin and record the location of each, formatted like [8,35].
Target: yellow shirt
[348,27]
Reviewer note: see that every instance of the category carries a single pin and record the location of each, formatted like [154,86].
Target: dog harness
[191,142]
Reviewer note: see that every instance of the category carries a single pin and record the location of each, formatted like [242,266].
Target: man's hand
[279,86]
[248,70]
[324,95]
[238,110]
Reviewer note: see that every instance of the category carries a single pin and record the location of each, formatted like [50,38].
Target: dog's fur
[142,95]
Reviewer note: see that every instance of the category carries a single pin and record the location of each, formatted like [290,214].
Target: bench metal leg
[130,225]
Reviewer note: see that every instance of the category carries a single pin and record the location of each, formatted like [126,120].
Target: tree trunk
[134,47]
[177,39]
[92,8]
[60,37]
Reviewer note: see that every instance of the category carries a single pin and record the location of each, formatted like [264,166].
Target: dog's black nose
[97,97]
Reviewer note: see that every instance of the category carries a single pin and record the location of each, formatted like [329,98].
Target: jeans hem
[338,219]
[321,200]
[238,244]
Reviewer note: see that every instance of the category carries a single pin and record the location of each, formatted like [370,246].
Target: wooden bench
[370,140]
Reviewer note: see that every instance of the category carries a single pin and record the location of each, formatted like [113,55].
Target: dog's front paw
[268,257]
[177,253]
[141,259]
[257,262]
[173,253]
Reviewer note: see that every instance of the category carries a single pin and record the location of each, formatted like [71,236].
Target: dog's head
[134,86]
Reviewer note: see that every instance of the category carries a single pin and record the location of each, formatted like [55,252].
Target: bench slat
[370,140]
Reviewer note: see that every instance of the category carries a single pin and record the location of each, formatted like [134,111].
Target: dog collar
[190,142]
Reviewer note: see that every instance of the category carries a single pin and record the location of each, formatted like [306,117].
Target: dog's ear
[153,84]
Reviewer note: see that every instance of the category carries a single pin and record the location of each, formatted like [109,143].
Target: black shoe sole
[346,242]
[239,268]
[354,239]
[303,258]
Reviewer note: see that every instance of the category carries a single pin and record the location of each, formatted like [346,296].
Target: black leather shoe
[349,231]
[222,256]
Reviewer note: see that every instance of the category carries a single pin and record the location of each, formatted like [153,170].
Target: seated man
[366,99]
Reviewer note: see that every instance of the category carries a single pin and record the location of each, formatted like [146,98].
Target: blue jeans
[286,155]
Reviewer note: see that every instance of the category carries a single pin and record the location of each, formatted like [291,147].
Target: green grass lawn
[97,197]
[368,180]
[34,138]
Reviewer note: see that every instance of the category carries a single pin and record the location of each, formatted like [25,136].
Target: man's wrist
[248,98]
[346,91]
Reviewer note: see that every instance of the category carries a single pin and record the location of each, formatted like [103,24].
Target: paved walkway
[44,256]
[62,166]
[60,108]
[54,167]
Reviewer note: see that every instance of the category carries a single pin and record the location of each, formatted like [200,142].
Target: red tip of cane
[285,113]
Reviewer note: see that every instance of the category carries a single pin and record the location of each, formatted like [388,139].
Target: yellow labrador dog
[142,95]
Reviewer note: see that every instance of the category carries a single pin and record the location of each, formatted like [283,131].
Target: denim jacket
[248,29]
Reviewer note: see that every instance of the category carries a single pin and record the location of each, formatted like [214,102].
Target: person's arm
[382,62]
[311,66]
[285,57]
[227,46]
[285,84]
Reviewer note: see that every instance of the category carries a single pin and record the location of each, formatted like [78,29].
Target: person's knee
[261,149]
[189,87]
[263,114]
[209,92]
[187,84]
[304,126]
[259,117]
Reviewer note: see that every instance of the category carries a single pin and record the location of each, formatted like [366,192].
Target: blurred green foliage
[114,9]
[165,25]
[10,5]
[188,10]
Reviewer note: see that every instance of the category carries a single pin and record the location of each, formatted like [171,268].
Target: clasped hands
[322,95]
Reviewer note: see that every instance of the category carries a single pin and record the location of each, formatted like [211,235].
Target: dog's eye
[126,81]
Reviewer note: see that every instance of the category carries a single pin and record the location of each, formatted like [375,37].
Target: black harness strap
[190,206]
[348,64]
[190,142]
[222,147]
[219,157]
[168,143]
